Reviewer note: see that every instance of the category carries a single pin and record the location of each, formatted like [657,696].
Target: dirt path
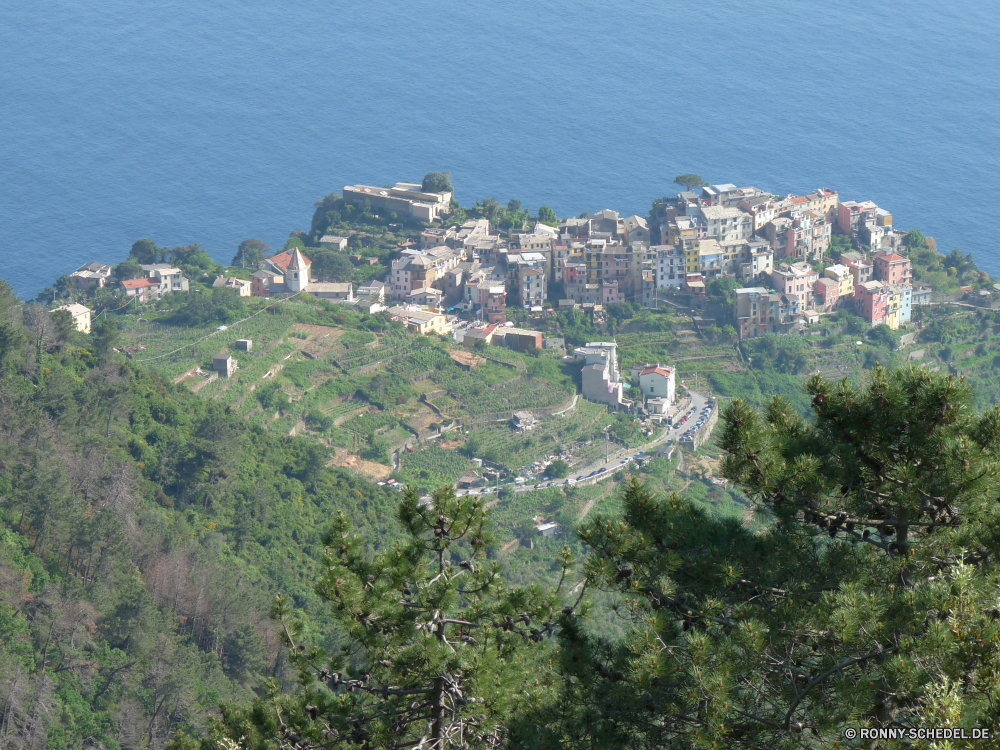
[568,408]
[593,501]
[350,461]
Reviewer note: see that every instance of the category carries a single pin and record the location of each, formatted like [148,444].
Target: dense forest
[143,534]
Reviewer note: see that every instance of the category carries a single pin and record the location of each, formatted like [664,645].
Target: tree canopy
[192,258]
[145,252]
[442,649]
[547,215]
[437,182]
[130,268]
[915,240]
[866,600]
[251,252]
[690,181]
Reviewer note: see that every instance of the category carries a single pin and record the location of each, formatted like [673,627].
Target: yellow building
[422,321]
[692,257]
[80,314]
[892,309]
[844,278]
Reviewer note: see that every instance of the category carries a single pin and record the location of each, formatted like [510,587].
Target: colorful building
[827,293]
[892,268]
[871,302]
[796,281]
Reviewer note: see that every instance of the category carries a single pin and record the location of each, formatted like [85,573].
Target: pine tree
[441,652]
[869,599]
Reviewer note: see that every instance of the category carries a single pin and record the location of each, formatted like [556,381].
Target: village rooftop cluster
[458,280]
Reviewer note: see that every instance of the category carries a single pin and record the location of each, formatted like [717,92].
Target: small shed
[224,364]
[244,345]
[548,529]
[333,241]
[523,420]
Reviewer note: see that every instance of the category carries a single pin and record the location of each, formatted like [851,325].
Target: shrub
[558,469]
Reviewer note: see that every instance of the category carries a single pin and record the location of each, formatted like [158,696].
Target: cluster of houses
[718,231]
[602,380]
[601,260]
[724,230]
[878,288]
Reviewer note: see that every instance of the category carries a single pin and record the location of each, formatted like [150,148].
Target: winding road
[603,470]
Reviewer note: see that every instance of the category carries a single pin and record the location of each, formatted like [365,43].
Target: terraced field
[371,392]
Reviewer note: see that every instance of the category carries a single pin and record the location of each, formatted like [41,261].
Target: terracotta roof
[138,283]
[284,260]
[890,257]
[655,371]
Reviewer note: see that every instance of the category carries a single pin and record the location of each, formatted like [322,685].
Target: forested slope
[143,533]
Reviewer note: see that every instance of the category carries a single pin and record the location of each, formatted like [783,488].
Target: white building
[406,199]
[333,242]
[601,380]
[240,286]
[80,315]
[656,381]
[669,265]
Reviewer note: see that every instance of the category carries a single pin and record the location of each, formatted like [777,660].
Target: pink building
[891,268]
[871,301]
[852,216]
[609,292]
[575,272]
[494,301]
[795,281]
[400,278]
[827,293]
[694,284]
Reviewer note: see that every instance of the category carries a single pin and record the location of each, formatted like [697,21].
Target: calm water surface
[212,122]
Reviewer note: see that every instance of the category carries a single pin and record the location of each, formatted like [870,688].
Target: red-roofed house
[657,381]
[892,268]
[144,289]
[694,284]
[293,266]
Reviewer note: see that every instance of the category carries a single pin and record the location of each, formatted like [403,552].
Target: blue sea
[212,122]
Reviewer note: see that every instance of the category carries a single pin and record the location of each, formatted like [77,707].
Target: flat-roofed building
[406,198]
[422,321]
[759,311]
[844,278]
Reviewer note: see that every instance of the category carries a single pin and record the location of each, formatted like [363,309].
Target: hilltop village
[779,253]
[650,319]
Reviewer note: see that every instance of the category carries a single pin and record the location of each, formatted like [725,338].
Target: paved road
[604,470]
